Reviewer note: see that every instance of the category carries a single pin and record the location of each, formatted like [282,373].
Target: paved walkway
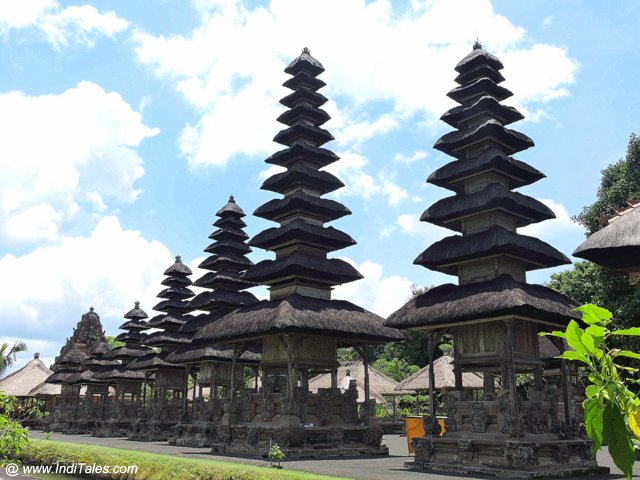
[368,468]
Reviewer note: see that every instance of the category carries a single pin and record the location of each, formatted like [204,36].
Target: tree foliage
[8,354]
[612,410]
[13,436]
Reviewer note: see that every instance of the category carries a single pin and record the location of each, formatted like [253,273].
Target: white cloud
[400,59]
[77,24]
[109,270]
[559,228]
[269,172]
[409,159]
[351,170]
[410,224]
[375,292]
[61,153]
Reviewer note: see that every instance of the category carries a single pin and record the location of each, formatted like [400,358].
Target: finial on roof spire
[91,309]
[178,259]
[36,355]
[137,304]
[477,45]
[306,50]
[231,199]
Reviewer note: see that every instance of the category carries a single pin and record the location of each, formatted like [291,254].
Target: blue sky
[125,125]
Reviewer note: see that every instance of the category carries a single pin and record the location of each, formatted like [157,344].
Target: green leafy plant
[13,436]
[612,411]
[276,455]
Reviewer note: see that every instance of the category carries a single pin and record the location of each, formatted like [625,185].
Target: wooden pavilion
[493,314]
[300,327]
[617,245]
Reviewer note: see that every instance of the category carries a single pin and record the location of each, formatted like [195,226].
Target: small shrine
[168,402]
[86,336]
[211,364]
[493,314]
[301,326]
[126,405]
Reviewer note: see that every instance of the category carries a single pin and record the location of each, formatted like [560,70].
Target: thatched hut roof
[444,376]
[450,304]
[617,245]
[201,352]
[43,389]
[379,383]
[21,382]
[301,314]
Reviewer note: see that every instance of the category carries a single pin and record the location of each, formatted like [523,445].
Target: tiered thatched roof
[301,276]
[379,384]
[490,258]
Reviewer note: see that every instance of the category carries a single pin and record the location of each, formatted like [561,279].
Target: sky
[124,127]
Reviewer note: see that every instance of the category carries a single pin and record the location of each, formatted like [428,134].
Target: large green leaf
[616,436]
[593,422]
[634,332]
[573,336]
[597,332]
[571,355]
[592,390]
[592,314]
[627,353]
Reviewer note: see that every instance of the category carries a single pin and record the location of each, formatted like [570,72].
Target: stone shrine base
[531,456]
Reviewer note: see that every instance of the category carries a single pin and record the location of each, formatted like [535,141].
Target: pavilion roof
[444,377]
[22,381]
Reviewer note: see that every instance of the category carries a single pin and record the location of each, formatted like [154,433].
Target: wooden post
[234,359]
[564,377]
[334,378]
[511,371]
[432,378]
[395,410]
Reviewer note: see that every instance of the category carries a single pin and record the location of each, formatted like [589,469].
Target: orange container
[415,429]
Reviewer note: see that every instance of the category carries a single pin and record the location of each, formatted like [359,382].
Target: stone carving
[586,453]
[275,383]
[281,436]
[336,436]
[424,449]
[561,454]
[244,406]
[479,418]
[520,454]
[513,426]
[224,434]
[467,451]
[535,419]
[267,408]
[373,436]
[217,409]
[252,435]
[297,436]
[325,407]
[300,399]
[450,423]
[351,404]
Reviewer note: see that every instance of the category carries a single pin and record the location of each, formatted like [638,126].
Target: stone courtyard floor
[367,468]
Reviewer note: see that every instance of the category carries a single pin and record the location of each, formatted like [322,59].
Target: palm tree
[8,355]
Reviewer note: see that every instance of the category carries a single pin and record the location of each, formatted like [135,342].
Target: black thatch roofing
[303,95]
[327,271]
[199,321]
[81,378]
[219,261]
[229,233]
[151,361]
[327,238]
[201,352]
[458,142]
[74,356]
[303,79]
[480,70]
[446,253]
[494,196]
[100,349]
[478,87]
[134,325]
[210,280]
[178,268]
[60,376]
[161,339]
[226,222]
[322,208]
[228,246]
[175,292]
[617,245]
[222,298]
[452,174]
[317,156]
[301,131]
[176,281]
[478,57]
[128,352]
[136,313]
[481,107]
[119,373]
[302,175]
[99,363]
[305,63]
[303,113]
[231,209]
[172,306]
[168,321]
[131,337]
[450,304]
[300,314]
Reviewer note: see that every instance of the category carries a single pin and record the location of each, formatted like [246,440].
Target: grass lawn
[151,466]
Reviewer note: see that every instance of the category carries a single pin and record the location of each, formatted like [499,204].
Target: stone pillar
[334,378]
